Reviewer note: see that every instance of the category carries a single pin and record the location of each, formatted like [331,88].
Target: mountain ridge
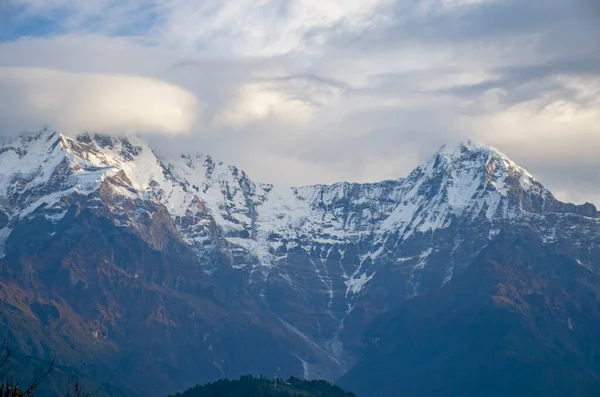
[312,264]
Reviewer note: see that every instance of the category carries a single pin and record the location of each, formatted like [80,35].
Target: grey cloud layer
[331,90]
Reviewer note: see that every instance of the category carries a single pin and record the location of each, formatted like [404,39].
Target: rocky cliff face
[521,320]
[185,265]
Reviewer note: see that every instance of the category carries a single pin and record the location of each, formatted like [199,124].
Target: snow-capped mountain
[319,261]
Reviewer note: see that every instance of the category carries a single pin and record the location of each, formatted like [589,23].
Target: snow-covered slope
[340,253]
[38,173]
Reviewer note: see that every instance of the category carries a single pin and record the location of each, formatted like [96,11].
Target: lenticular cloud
[111,103]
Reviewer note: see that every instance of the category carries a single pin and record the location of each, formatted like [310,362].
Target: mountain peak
[469,150]
[470,160]
[463,176]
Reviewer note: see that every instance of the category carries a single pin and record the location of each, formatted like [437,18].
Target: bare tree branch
[76,390]
[4,357]
[40,378]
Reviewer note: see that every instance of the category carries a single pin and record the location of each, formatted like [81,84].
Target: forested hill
[249,386]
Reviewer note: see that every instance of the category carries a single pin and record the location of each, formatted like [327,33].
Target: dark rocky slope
[522,320]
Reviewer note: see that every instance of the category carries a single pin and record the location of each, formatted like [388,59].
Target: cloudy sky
[316,91]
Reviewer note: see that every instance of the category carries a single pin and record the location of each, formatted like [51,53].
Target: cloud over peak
[110,103]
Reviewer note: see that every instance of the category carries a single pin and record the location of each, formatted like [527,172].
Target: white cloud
[74,102]
[549,127]
[245,27]
[256,102]
[292,99]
